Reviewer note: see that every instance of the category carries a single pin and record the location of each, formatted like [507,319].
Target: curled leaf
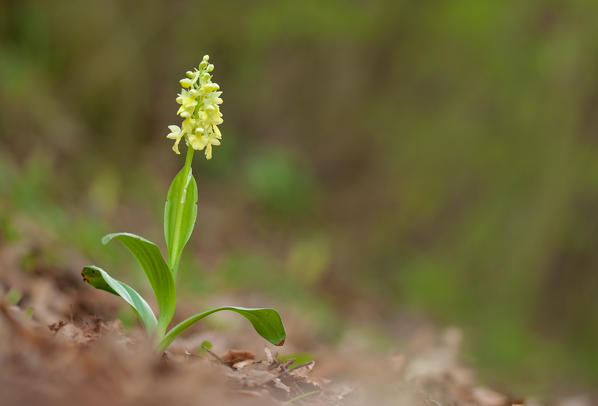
[266,323]
[100,279]
[157,272]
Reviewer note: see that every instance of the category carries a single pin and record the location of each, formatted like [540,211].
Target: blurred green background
[381,160]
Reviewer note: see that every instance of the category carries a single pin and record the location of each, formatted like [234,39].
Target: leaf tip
[86,273]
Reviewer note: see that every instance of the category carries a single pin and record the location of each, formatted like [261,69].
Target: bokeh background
[385,163]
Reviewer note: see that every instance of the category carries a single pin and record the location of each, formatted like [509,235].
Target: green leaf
[99,279]
[180,213]
[266,322]
[157,272]
[299,358]
[204,347]
[13,297]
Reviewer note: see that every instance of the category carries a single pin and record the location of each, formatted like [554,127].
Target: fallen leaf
[235,356]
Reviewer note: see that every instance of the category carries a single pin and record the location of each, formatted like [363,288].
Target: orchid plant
[200,110]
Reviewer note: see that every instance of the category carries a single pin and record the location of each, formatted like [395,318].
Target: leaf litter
[71,349]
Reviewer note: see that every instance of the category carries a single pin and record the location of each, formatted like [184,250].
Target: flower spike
[200,110]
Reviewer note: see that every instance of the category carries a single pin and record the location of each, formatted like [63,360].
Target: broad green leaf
[157,272]
[180,213]
[266,322]
[99,279]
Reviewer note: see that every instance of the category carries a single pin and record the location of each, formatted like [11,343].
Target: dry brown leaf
[235,356]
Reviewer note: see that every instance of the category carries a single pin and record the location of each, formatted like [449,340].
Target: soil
[61,343]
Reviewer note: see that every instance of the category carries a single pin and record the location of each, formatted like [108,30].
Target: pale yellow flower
[189,126]
[210,140]
[200,109]
[195,139]
[188,102]
[175,134]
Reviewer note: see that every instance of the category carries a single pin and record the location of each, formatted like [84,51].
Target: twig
[305,364]
[285,364]
[216,357]
[303,395]
[286,371]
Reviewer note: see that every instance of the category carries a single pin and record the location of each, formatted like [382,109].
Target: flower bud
[205,77]
[185,82]
[211,87]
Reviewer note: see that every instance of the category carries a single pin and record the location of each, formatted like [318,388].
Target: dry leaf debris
[66,352]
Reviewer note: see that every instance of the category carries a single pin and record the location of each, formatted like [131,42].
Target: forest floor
[62,343]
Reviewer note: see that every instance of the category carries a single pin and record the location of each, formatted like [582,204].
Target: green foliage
[204,347]
[180,212]
[456,139]
[157,272]
[13,296]
[180,218]
[99,279]
[266,322]
[298,358]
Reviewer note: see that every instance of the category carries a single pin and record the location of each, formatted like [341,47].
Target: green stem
[174,265]
[189,158]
